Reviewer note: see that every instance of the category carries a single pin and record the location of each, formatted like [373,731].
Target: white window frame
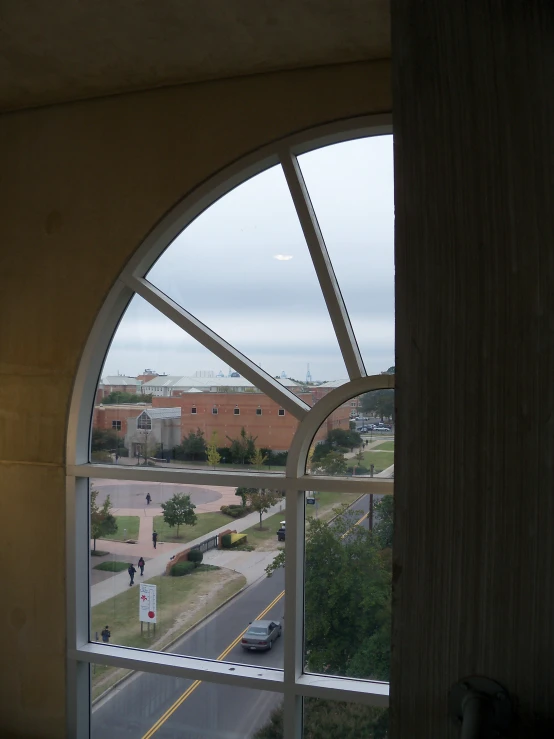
[215,411]
[291,682]
[116,425]
[281,412]
[193,410]
[236,411]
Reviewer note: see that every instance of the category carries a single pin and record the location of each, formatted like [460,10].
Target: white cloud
[283,257]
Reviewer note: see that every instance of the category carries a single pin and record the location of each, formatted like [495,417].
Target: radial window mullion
[323,267]
[214,343]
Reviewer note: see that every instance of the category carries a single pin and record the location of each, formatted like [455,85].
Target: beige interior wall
[81,186]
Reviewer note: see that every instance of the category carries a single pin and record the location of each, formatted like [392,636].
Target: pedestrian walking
[106,633]
[148,498]
[154,538]
[141,566]
[131,570]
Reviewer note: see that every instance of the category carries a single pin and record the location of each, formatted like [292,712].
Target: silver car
[260,635]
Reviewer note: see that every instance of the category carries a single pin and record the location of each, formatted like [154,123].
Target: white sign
[148,603]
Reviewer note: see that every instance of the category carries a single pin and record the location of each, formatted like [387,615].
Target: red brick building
[228,413]
[114,417]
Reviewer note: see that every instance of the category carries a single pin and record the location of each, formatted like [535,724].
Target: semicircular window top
[241,414]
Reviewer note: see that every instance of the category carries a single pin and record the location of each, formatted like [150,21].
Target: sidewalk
[249,564]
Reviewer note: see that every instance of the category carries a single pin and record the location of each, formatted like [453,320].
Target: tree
[383,528]
[324,719]
[343,439]
[244,492]
[192,447]
[214,457]
[104,440]
[333,463]
[347,623]
[179,510]
[258,458]
[262,500]
[102,522]
[347,599]
[243,448]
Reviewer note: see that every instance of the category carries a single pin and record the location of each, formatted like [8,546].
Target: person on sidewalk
[131,570]
[148,498]
[141,566]
[106,633]
[154,538]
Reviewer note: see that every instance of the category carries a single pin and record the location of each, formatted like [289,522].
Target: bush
[360,470]
[182,568]
[195,556]
[235,511]
[233,540]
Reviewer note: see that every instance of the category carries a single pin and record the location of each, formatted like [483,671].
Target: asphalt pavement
[200,710]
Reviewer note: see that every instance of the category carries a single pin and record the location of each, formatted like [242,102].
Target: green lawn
[182,603]
[381,460]
[128,524]
[269,529]
[386,446]
[112,566]
[206,522]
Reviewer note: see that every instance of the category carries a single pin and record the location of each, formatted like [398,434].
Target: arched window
[291,253]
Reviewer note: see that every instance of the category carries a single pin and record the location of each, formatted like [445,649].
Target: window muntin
[281,412]
[144,422]
[116,425]
[377,693]
[193,409]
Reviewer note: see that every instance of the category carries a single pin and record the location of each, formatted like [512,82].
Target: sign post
[148,607]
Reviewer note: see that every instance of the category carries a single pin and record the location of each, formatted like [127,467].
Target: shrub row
[233,540]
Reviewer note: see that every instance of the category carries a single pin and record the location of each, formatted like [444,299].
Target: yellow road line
[356,524]
[171,710]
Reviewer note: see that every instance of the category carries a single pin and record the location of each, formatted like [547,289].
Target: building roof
[161,413]
[121,380]
[197,384]
[333,383]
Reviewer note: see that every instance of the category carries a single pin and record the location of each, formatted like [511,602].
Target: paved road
[169,708]
[209,711]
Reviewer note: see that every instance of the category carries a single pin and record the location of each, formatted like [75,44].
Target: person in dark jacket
[141,566]
[106,633]
[154,538]
[148,498]
[131,570]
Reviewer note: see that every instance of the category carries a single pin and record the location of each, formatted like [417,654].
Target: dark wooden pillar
[473,97]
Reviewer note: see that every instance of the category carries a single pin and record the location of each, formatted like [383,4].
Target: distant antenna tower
[308,374]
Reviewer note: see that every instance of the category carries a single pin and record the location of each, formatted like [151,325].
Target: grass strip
[182,603]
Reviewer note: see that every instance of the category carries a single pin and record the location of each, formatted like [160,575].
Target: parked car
[260,635]
[381,428]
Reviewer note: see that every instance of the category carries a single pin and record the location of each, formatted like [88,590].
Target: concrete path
[250,564]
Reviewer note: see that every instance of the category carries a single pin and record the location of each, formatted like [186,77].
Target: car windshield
[257,630]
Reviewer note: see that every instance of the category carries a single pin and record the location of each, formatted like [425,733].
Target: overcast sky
[243,268]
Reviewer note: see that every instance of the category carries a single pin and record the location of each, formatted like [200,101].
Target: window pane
[254,282]
[348,547]
[326,718]
[357,441]
[351,188]
[173,419]
[185,587]
[146,705]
